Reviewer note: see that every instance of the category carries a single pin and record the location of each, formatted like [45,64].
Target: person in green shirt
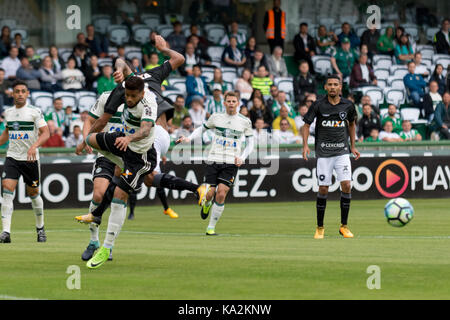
[373,136]
[393,116]
[385,44]
[344,59]
[2,128]
[280,102]
[106,81]
[326,41]
[178,114]
[149,48]
[261,81]
[57,113]
[408,133]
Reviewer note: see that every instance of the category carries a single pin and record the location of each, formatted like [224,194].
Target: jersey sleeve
[248,132]
[311,114]
[162,72]
[352,115]
[115,99]
[98,108]
[209,124]
[39,120]
[150,108]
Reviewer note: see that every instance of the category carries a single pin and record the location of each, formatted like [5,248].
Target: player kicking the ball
[26,130]
[225,156]
[335,124]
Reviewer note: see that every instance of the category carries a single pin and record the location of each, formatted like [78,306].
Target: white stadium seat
[381,73]
[118,34]
[411,114]
[400,73]
[105,61]
[395,67]
[376,94]
[179,83]
[45,103]
[396,83]
[215,52]
[130,55]
[22,31]
[36,94]
[11,23]
[431,32]
[216,34]
[437,57]
[413,31]
[164,30]
[101,23]
[172,94]
[394,96]
[229,75]
[322,64]
[85,102]
[208,74]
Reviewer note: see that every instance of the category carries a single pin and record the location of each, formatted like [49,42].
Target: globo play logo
[391,178]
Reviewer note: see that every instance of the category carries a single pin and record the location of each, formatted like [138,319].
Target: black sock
[162,196]
[345,206]
[106,201]
[321,204]
[132,199]
[174,183]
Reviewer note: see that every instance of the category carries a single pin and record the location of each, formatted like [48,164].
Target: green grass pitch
[265,251]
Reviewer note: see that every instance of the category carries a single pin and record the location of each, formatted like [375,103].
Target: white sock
[216,213]
[7,210]
[93,227]
[115,222]
[38,207]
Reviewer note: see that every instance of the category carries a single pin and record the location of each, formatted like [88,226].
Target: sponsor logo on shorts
[332,145]
[98,170]
[322,177]
[127,173]
[3,174]
[35,183]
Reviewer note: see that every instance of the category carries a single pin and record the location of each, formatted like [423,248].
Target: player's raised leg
[8,185]
[217,208]
[38,207]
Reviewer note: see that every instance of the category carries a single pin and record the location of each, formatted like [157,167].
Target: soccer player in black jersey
[335,125]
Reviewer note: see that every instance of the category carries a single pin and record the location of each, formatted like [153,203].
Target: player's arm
[176,59]
[352,134]
[87,125]
[143,132]
[249,146]
[196,134]
[44,134]
[305,135]
[4,136]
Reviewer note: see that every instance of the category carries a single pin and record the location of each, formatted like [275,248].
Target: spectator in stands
[35,60]
[120,54]
[50,81]
[196,86]
[304,46]
[408,133]
[98,44]
[260,134]
[250,49]
[200,50]
[58,62]
[280,102]
[106,81]
[180,111]
[80,57]
[441,121]
[394,117]
[197,112]
[92,74]
[57,114]
[200,11]
[309,100]
[5,41]
[285,134]
[385,44]
[256,93]
[304,83]
[149,47]
[326,41]
[129,13]
[232,56]
[374,136]
[438,76]
[27,73]
[275,26]
[420,68]
[69,118]
[244,111]
[366,100]
[191,59]
[387,134]
[403,51]
[273,95]
[441,39]
[301,112]
[368,122]
[244,86]
[153,63]
[277,65]
[177,39]
[81,40]
[285,113]
[218,79]
[195,32]
[137,65]
[415,84]
[370,38]
[73,79]
[362,74]
[259,58]
[11,64]
[75,138]
[55,139]
[347,32]
[19,45]
[5,92]
[344,59]
[261,80]
[431,100]
[259,110]
[234,32]
[186,127]
[215,104]
[80,120]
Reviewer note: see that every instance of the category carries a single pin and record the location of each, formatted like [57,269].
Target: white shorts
[340,164]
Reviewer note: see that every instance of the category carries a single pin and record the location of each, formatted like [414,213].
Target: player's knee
[323,190]
[120,194]
[97,196]
[346,186]
[148,180]
[32,192]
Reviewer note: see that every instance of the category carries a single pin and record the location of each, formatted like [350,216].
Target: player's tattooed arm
[176,59]
[352,134]
[305,135]
[143,132]
[100,123]
[44,134]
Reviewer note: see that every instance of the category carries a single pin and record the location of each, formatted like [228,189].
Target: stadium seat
[426,52]
[285,84]
[394,96]
[383,112]
[130,55]
[164,30]
[326,21]
[376,94]
[176,17]
[383,64]
[172,94]
[118,34]
[179,83]
[445,61]
[382,73]
[216,34]
[378,57]
[211,25]
[42,52]
[65,53]
[22,31]
[101,23]
[360,31]
[79,94]
[395,67]
[382,83]
[437,57]
[43,102]
[352,19]
[149,15]
[322,64]
[413,32]
[243,28]
[229,75]
[105,61]
[85,102]
[400,73]
[37,94]
[411,114]
[396,83]
[11,23]
[430,33]
[215,52]
[208,74]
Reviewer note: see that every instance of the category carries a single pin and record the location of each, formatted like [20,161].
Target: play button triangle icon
[391,178]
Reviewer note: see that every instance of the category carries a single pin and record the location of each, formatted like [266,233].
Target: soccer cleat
[204,211]
[345,231]
[89,218]
[5,237]
[41,236]
[169,212]
[202,191]
[90,250]
[131,216]
[211,232]
[99,258]
[320,233]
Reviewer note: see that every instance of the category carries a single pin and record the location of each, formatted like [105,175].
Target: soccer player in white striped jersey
[225,156]
[26,131]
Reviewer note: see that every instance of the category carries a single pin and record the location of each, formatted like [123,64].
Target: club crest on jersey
[342,115]
[16,126]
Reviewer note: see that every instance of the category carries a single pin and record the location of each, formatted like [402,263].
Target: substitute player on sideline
[335,124]
[26,131]
[224,157]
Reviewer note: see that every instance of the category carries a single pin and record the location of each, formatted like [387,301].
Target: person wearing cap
[215,104]
[344,59]
[106,81]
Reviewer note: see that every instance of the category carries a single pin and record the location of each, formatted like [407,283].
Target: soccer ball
[398,212]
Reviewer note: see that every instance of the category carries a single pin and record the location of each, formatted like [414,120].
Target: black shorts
[220,173]
[30,171]
[136,165]
[103,168]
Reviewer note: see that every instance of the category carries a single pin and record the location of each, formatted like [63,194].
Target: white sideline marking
[6,297]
